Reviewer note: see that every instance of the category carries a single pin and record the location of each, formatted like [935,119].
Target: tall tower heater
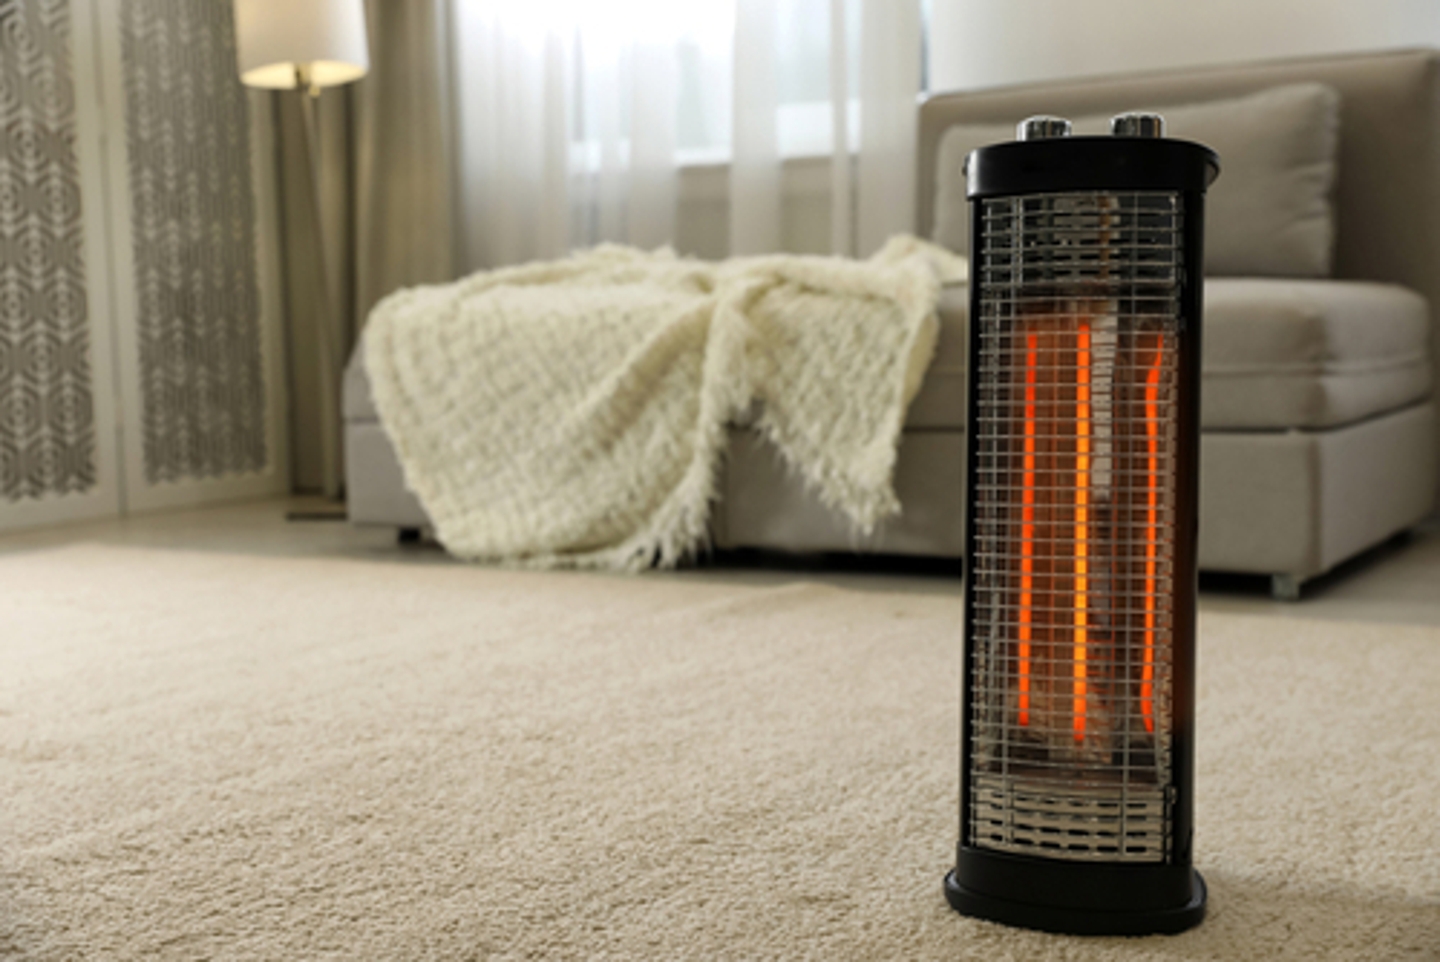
[1083,440]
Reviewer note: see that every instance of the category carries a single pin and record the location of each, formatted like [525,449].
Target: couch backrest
[1387,223]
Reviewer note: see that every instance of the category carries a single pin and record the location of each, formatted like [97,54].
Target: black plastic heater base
[1047,918]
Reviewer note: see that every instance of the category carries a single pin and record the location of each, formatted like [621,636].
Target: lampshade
[325,37]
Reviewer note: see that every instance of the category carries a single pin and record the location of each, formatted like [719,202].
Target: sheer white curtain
[572,118]
[890,67]
[857,104]
[756,198]
[566,117]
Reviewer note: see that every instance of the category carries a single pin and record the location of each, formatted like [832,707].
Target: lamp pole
[326,347]
[307,45]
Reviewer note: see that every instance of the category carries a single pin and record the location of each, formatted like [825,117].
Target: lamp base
[1047,918]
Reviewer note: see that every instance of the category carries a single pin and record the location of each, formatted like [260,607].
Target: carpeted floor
[219,756]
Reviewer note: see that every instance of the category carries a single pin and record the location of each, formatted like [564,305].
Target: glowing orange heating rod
[1027,528]
[1082,524]
[1152,521]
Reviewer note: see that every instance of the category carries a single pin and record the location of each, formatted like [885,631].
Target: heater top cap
[1134,123]
[1045,157]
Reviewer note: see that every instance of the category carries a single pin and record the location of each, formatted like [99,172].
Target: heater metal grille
[1077,368]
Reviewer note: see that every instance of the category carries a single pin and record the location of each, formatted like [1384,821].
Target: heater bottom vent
[1091,824]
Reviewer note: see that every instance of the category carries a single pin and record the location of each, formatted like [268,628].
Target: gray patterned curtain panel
[47,413]
[193,229]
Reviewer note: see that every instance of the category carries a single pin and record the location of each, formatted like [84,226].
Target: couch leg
[1285,587]
[408,536]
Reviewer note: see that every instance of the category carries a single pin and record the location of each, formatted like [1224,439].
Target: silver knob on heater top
[1042,127]
[1137,125]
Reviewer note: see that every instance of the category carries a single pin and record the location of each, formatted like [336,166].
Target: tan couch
[1319,432]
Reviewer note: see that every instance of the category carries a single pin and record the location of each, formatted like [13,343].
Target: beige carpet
[219,756]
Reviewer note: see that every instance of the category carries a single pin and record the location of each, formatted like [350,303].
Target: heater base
[1049,918]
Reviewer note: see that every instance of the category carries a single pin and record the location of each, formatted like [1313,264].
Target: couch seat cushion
[1279,354]
[1283,354]
[940,402]
[356,403]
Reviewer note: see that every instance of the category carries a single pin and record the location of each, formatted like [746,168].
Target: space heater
[1083,440]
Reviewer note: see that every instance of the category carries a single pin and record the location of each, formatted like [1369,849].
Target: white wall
[988,43]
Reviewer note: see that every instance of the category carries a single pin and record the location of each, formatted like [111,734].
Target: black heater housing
[1080,558]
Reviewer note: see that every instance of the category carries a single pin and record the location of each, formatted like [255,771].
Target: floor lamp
[307,45]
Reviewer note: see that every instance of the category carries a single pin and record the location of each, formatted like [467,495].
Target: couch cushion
[1269,214]
[1285,354]
[356,403]
[1279,354]
[940,402]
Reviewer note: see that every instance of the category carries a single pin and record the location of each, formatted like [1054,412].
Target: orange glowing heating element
[1152,519]
[1027,529]
[1089,471]
[1082,526]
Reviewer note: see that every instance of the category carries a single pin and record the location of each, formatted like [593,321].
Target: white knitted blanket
[574,412]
